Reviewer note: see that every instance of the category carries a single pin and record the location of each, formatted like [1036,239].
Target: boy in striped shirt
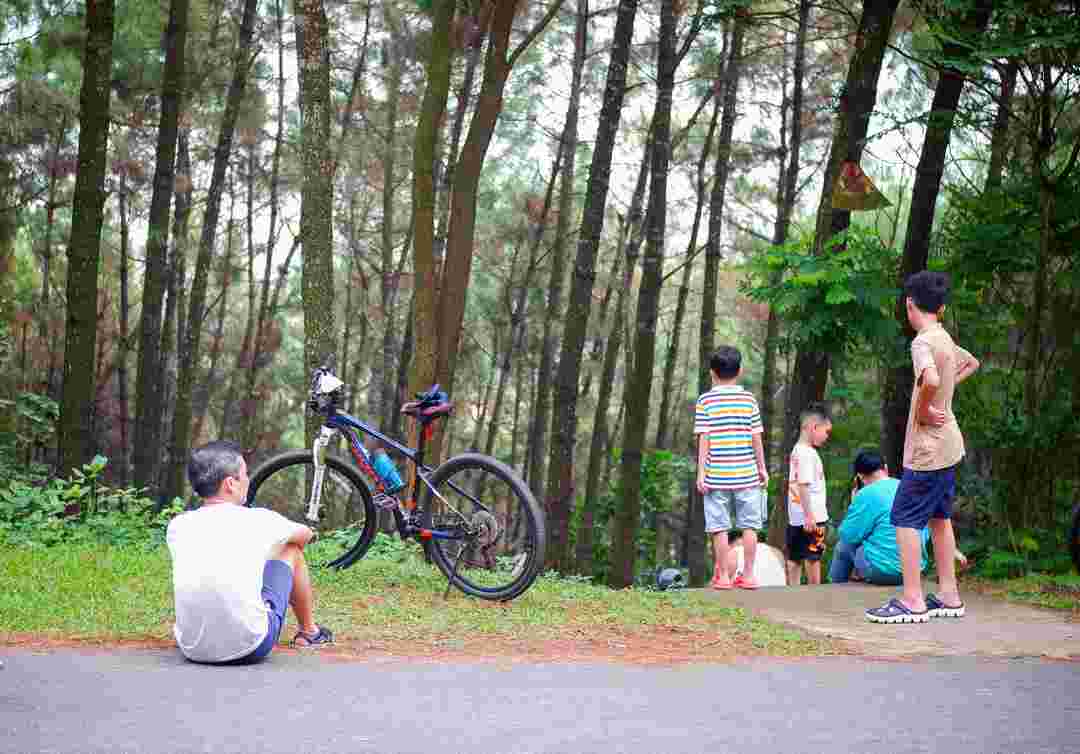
[731,465]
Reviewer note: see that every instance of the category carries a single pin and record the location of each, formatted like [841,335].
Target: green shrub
[79,510]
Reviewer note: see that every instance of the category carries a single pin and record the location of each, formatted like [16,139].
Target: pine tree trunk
[457,270]
[446,179]
[849,138]
[999,139]
[639,391]
[459,251]
[896,392]
[707,339]
[560,481]
[684,287]
[205,395]
[47,331]
[787,185]
[425,301]
[317,190]
[124,347]
[262,321]
[600,444]
[189,357]
[786,195]
[75,429]
[380,393]
[9,375]
[149,405]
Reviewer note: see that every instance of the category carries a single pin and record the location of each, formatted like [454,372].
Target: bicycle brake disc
[486,527]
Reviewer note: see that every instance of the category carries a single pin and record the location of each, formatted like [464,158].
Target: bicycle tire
[516,550]
[285,488]
[1074,537]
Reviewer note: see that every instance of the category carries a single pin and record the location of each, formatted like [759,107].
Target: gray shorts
[749,507]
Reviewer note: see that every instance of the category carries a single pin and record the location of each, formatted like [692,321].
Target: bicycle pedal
[385,502]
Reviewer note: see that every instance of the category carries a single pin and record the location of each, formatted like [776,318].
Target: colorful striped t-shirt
[729,415]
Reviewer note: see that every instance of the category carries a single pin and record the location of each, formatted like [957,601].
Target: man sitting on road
[235,569]
[867,547]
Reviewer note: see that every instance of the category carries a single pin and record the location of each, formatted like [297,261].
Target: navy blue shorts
[277,586]
[923,495]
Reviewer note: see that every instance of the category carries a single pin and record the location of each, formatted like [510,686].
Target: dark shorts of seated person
[277,587]
[923,495]
[802,545]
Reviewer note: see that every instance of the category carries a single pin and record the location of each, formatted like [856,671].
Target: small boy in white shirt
[807,512]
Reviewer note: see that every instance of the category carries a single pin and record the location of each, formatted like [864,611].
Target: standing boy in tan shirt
[933,448]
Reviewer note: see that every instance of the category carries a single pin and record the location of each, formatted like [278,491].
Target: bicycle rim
[503,549]
[347,517]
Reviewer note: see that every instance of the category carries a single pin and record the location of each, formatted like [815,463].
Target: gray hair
[210,464]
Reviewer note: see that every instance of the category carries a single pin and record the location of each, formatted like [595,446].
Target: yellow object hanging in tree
[854,191]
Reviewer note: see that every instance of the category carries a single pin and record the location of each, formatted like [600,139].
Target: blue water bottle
[388,472]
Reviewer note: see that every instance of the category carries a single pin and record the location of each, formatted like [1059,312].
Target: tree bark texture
[149,405]
[786,195]
[787,186]
[425,341]
[560,495]
[9,225]
[124,347]
[317,191]
[624,545]
[457,269]
[262,322]
[189,357]
[75,429]
[666,392]
[707,340]
[896,394]
[583,274]
[849,139]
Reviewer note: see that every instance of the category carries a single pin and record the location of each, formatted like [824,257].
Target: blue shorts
[277,586]
[923,495]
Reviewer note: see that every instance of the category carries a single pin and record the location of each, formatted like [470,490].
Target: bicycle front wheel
[496,529]
[347,519]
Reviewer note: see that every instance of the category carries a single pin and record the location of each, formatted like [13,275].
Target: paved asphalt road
[152,701]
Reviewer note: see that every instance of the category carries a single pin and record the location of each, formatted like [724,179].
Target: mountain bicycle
[475,517]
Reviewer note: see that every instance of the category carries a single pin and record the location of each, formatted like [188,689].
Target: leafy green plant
[80,509]
[832,301]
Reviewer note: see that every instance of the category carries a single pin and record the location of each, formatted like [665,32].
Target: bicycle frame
[351,428]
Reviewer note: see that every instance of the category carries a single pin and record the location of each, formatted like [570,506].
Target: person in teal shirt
[867,547]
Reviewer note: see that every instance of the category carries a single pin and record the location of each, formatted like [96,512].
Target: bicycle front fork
[318,461]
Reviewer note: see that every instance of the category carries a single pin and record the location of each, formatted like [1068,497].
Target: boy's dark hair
[817,411]
[726,362]
[929,291]
[868,461]
[210,464]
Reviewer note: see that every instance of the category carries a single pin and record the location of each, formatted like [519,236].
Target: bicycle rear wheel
[499,527]
[347,517]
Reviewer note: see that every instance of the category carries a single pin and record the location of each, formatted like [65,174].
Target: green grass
[390,601]
[1058,592]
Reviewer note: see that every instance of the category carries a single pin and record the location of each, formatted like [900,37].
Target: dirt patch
[646,645]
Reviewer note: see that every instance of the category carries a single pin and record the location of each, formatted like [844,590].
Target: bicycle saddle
[429,405]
